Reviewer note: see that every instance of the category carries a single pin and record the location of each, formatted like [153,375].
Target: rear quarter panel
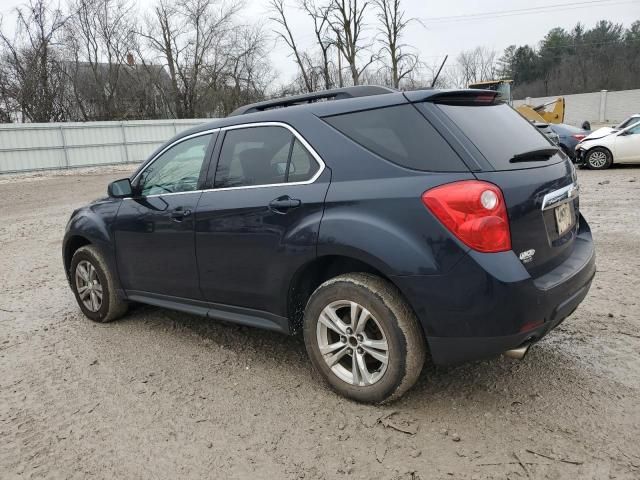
[385,224]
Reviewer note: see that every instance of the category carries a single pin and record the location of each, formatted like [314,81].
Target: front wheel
[599,159]
[94,286]
[363,338]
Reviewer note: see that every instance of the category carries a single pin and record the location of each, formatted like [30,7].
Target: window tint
[303,166]
[177,169]
[500,133]
[634,130]
[260,155]
[402,135]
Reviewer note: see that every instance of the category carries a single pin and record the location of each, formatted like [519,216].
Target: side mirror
[120,188]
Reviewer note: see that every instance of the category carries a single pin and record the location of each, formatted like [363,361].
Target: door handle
[283,204]
[178,214]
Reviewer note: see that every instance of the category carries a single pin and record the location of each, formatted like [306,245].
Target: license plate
[564,218]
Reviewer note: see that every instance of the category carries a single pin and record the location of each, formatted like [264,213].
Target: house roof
[131,79]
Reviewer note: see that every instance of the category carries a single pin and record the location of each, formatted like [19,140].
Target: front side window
[177,169]
[262,156]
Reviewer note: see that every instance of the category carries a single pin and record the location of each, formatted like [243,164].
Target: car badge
[527,255]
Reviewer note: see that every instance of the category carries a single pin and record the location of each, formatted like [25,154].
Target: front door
[260,222]
[628,145]
[154,230]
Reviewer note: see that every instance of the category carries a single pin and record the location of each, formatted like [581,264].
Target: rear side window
[500,133]
[262,156]
[303,166]
[402,135]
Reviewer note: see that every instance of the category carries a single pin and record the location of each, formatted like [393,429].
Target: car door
[627,145]
[260,221]
[154,230]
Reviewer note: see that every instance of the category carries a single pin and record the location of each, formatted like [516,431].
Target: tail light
[578,136]
[474,212]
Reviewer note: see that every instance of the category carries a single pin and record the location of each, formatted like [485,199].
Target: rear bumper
[488,303]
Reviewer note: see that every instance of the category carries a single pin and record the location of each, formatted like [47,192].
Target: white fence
[41,146]
[596,107]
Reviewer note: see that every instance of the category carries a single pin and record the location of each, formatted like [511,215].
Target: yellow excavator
[550,112]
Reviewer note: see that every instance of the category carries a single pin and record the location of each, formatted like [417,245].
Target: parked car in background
[377,223]
[568,137]
[601,149]
[547,131]
[635,118]
[622,125]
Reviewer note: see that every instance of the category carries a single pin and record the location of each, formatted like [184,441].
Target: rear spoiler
[469,97]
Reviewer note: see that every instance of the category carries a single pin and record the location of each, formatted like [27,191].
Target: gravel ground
[161,394]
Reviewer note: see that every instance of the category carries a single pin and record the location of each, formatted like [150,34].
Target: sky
[446,27]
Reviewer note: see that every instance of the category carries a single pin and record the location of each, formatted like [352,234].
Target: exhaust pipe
[518,353]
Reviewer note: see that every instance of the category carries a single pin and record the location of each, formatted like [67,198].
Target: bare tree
[321,28]
[187,36]
[392,26]
[284,32]
[477,65]
[248,72]
[8,105]
[30,65]
[100,37]
[347,22]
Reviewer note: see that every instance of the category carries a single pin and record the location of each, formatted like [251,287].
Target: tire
[87,267]
[598,159]
[390,322]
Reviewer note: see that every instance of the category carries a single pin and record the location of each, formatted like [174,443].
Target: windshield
[501,133]
[628,121]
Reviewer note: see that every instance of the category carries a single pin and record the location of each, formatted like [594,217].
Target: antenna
[433,83]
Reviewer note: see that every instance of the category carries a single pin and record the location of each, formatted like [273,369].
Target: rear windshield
[399,134]
[500,133]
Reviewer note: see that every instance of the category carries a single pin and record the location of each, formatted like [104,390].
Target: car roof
[327,103]
[567,128]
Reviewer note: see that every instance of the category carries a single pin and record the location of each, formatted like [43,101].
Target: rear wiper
[535,155]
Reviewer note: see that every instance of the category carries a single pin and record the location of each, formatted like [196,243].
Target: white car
[607,145]
[626,123]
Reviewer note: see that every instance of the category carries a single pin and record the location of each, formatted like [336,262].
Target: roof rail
[334,94]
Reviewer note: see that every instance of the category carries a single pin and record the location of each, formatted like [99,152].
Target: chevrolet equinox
[385,226]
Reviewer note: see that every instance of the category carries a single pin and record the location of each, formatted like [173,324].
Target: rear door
[538,182]
[260,221]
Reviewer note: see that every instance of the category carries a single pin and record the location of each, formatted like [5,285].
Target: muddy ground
[161,394]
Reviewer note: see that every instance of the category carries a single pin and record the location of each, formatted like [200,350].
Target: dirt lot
[161,394]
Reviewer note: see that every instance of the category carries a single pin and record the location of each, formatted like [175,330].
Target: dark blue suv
[381,224]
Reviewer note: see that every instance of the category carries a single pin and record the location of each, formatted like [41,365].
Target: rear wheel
[95,286]
[599,159]
[363,339]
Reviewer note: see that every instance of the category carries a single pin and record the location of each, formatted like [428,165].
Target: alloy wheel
[352,343]
[88,286]
[597,159]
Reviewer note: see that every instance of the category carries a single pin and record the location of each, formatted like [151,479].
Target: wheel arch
[90,225]
[602,147]
[71,245]
[314,273]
